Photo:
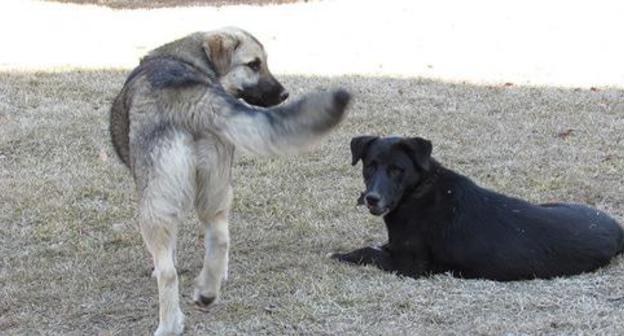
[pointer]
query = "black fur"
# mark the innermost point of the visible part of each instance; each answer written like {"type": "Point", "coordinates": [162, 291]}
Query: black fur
{"type": "Point", "coordinates": [441, 221]}
{"type": "Point", "coordinates": [268, 92]}
{"type": "Point", "coordinates": [169, 72]}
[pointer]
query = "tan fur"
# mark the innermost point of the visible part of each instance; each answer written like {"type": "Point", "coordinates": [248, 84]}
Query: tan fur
{"type": "Point", "coordinates": [176, 123]}
{"type": "Point", "coordinates": [229, 49]}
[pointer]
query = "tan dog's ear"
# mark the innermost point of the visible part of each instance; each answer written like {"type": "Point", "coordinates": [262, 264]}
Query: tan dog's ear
{"type": "Point", "coordinates": [219, 47]}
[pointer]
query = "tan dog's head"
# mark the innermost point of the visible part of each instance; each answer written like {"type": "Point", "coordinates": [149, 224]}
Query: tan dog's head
{"type": "Point", "coordinates": [241, 64]}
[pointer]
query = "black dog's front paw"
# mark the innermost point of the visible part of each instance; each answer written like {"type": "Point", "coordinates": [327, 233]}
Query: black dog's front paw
{"type": "Point", "coordinates": [344, 257]}
{"type": "Point", "coordinates": [351, 257]}
{"type": "Point", "coordinates": [336, 256]}
{"type": "Point", "coordinates": [363, 256]}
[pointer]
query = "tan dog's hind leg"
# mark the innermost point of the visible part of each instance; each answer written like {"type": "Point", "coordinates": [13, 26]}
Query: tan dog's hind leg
{"type": "Point", "coordinates": [171, 317]}
{"type": "Point", "coordinates": [214, 271]}
{"type": "Point", "coordinates": [168, 182]}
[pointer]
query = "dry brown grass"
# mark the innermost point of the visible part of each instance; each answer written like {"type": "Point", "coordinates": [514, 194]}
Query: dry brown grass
{"type": "Point", "coordinates": [149, 4]}
{"type": "Point", "coordinates": [72, 263]}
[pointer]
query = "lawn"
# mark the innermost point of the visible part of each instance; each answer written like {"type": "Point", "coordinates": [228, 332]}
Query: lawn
{"type": "Point", "coordinates": [151, 4]}
{"type": "Point", "coordinates": [73, 263]}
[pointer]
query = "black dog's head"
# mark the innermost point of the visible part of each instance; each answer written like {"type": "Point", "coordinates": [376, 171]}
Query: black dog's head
{"type": "Point", "coordinates": [390, 167]}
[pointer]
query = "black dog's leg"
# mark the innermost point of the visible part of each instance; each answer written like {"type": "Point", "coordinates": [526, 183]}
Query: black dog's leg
{"type": "Point", "coordinates": [407, 264]}
{"type": "Point", "coordinates": [367, 256]}
{"type": "Point", "coordinates": [401, 262]}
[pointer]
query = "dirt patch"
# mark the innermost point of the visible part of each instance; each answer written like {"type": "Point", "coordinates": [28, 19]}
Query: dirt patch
{"type": "Point", "coordinates": [147, 4]}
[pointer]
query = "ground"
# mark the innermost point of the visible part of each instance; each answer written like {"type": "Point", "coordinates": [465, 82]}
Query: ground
{"type": "Point", "coordinates": [133, 4]}
{"type": "Point", "coordinates": [72, 262]}
{"type": "Point", "coordinates": [524, 104]}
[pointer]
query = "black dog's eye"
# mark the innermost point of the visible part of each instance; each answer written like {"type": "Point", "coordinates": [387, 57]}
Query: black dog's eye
{"type": "Point", "coordinates": [255, 64]}
{"type": "Point", "coordinates": [395, 171]}
{"type": "Point", "coordinates": [370, 168]}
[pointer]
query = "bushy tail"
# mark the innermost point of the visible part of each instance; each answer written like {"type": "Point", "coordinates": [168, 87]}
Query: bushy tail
{"type": "Point", "coordinates": [119, 126]}
{"type": "Point", "coordinates": [282, 129]}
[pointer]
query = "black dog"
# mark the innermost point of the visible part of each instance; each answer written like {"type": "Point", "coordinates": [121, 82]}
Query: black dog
{"type": "Point", "coordinates": [440, 221]}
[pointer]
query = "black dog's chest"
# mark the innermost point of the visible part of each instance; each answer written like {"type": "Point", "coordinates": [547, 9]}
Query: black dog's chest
{"type": "Point", "coordinates": [408, 235]}
{"type": "Point", "coordinates": [425, 231]}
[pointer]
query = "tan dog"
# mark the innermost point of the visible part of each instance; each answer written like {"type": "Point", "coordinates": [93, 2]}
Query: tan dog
{"type": "Point", "coordinates": [176, 123]}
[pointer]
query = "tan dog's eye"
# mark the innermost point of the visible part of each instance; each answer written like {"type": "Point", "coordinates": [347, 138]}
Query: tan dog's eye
{"type": "Point", "coordinates": [255, 64]}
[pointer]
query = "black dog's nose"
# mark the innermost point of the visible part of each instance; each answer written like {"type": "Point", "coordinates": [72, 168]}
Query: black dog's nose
{"type": "Point", "coordinates": [372, 199]}
{"type": "Point", "coordinates": [284, 95]}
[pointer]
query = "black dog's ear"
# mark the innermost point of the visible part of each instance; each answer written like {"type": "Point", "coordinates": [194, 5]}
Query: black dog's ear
{"type": "Point", "coordinates": [359, 146]}
{"type": "Point", "coordinates": [420, 151]}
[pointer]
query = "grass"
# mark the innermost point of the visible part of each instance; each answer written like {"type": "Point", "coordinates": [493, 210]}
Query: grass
{"type": "Point", "coordinates": [150, 4]}
{"type": "Point", "coordinates": [72, 262]}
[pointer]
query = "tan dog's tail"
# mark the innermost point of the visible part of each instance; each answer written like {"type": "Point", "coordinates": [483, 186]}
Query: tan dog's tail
{"type": "Point", "coordinates": [282, 129]}
{"type": "Point", "coordinates": [120, 125]}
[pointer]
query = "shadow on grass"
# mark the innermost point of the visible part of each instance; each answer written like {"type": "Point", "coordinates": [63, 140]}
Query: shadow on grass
{"type": "Point", "coordinates": [69, 250]}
